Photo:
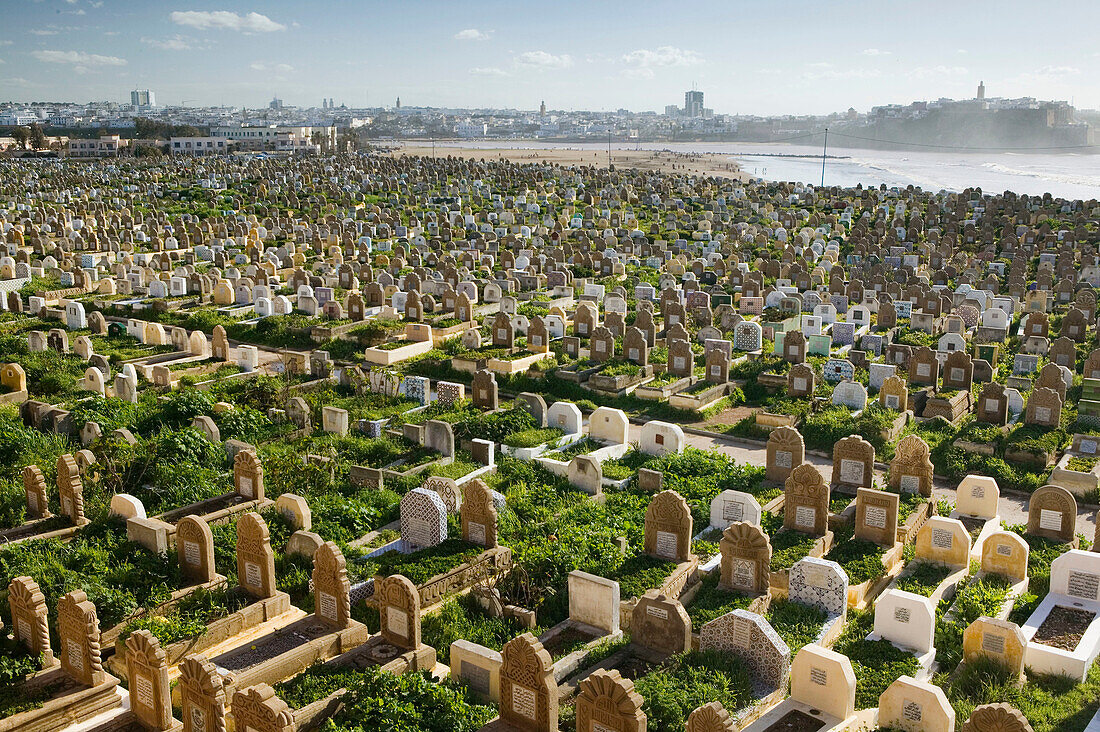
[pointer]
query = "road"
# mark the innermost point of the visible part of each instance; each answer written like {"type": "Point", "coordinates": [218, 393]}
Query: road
{"type": "Point", "coordinates": [1012, 508]}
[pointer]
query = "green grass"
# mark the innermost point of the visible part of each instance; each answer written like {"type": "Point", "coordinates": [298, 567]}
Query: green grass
{"type": "Point", "coordinates": [925, 577]}
{"type": "Point", "coordinates": [877, 664]}
{"type": "Point", "coordinates": [533, 437]}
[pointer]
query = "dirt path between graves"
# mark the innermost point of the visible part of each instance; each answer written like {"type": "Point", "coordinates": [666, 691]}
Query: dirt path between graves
{"type": "Point", "coordinates": [1013, 508]}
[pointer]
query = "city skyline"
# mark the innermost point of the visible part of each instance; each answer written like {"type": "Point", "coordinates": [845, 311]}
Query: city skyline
{"type": "Point", "coordinates": [597, 58]}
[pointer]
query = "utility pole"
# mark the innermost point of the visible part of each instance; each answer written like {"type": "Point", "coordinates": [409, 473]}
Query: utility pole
{"type": "Point", "coordinates": [823, 149]}
{"type": "Point", "coordinates": [433, 147]}
{"type": "Point", "coordinates": [609, 149]}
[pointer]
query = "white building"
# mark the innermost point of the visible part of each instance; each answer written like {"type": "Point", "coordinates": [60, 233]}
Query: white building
{"type": "Point", "coordinates": [198, 145]}
{"type": "Point", "coordinates": [96, 147]}
{"type": "Point", "coordinates": [274, 137]}
{"type": "Point", "coordinates": [471, 129]}
{"type": "Point", "coordinates": [143, 98]}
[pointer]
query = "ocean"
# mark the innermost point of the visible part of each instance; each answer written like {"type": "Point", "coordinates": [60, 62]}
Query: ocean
{"type": "Point", "coordinates": [1065, 175]}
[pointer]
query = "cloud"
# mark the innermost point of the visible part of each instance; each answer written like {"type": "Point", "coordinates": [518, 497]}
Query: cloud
{"type": "Point", "coordinates": [473, 34]}
{"type": "Point", "coordinates": [43, 32]}
{"type": "Point", "coordinates": [1045, 75]}
{"type": "Point", "coordinates": [925, 72]}
{"type": "Point", "coordinates": [488, 71]}
{"type": "Point", "coordinates": [544, 60]}
{"type": "Point", "coordinates": [176, 43]}
{"type": "Point", "coordinates": [77, 58]}
{"type": "Point", "coordinates": [6, 43]}
{"type": "Point", "coordinates": [1058, 71]}
{"type": "Point", "coordinates": [662, 56]}
{"type": "Point", "coordinates": [225, 20]}
{"type": "Point", "coordinates": [260, 66]}
{"type": "Point", "coordinates": [643, 73]}
{"type": "Point", "coordinates": [822, 73]}
{"type": "Point", "coordinates": [874, 52]}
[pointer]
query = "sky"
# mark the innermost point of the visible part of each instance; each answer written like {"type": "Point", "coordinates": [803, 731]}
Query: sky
{"type": "Point", "coordinates": [760, 57]}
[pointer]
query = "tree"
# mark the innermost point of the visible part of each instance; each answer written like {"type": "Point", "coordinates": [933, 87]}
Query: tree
{"type": "Point", "coordinates": [38, 137]}
{"type": "Point", "coordinates": [21, 135]}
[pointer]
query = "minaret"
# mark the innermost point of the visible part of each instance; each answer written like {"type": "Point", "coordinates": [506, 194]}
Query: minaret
{"type": "Point", "coordinates": [399, 102]}
{"type": "Point", "coordinates": [981, 90]}
{"type": "Point", "coordinates": [542, 109]}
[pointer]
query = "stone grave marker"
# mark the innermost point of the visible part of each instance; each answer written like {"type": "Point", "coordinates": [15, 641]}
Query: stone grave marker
{"type": "Point", "coordinates": [528, 691]}
{"type": "Point", "coordinates": [668, 527]}
{"type": "Point", "coordinates": [806, 504]}
{"type": "Point", "coordinates": [423, 518]}
{"type": "Point", "coordinates": [607, 701]}
{"type": "Point", "coordinates": [255, 558]}
{"type": "Point", "coordinates": [746, 558]}
{"type": "Point", "coordinates": [1052, 513]}
{"type": "Point", "coordinates": [877, 516]}
{"type": "Point", "coordinates": [195, 550]}
{"type": "Point", "coordinates": [786, 449]}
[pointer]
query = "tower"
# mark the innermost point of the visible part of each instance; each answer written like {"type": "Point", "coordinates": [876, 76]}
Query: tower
{"type": "Point", "coordinates": [399, 102]}
{"type": "Point", "coordinates": [693, 103]}
{"type": "Point", "coordinates": [981, 90]}
{"type": "Point", "coordinates": [542, 109]}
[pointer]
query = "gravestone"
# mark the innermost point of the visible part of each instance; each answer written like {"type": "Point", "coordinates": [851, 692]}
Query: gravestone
{"type": "Point", "coordinates": [819, 583]}
{"type": "Point", "coordinates": [1044, 408]}
{"type": "Point", "coordinates": [607, 701]}
{"type": "Point", "coordinates": [911, 469]}
{"type": "Point", "coordinates": [78, 632]}
{"type": "Point", "coordinates": [1005, 553]}
{"type": "Point", "coordinates": [484, 390]}
{"type": "Point", "coordinates": [447, 489]}
{"type": "Point", "coordinates": [711, 717]}
{"type": "Point", "coordinates": [258, 709]}
{"type": "Point", "coordinates": [423, 518]}
{"type": "Point", "coordinates": [786, 449]}
{"type": "Point", "coordinates": [147, 674]}
{"type": "Point", "coordinates": [800, 380]}
{"type": "Point", "coordinates": [853, 463]}
{"type": "Point", "coordinates": [594, 601]}
{"type": "Point", "coordinates": [660, 623]}
{"type": "Point", "coordinates": [824, 679]}
{"type": "Point", "coordinates": [439, 436]}
{"type": "Point", "coordinates": [585, 473]}
{"type": "Point", "coordinates": [70, 489]}
{"type": "Point", "coordinates": [668, 527]}
{"type": "Point", "coordinates": [399, 612]}
{"type": "Point", "coordinates": [479, 515]}
{"type": "Point", "coordinates": [750, 637]}
{"type": "Point", "coordinates": [248, 476]}
{"type": "Point", "coordinates": [746, 558]}
{"type": "Point", "coordinates": [997, 717]}
{"type": "Point", "coordinates": [806, 501]}
{"type": "Point", "coordinates": [877, 516]}
{"type": "Point", "coordinates": [195, 550]}
{"type": "Point", "coordinates": [906, 619]}
{"type": "Point", "coordinates": [730, 506]}
{"type": "Point", "coordinates": [255, 558]}
{"type": "Point", "coordinates": [30, 626]}
{"type": "Point", "coordinates": [38, 499]}
{"type": "Point", "coordinates": [978, 496]}
{"type": "Point", "coordinates": [528, 691]}
{"type": "Point", "coordinates": [1052, 513]}
{"type": "Point", "coordinates": [202, 695]}
{"type": "Point", "coordinates": [915, 706]}
{"type": "Point", "coordinates": [944, 540]}
{"type": "Point", "coordinates": [1000, 640]}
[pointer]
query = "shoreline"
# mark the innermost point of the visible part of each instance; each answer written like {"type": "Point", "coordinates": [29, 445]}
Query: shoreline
{"type": "Point", "coordinates": [718, 165]}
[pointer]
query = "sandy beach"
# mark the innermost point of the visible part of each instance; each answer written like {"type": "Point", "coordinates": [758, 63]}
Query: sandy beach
{"type": "Point", "coordinates": [657, 160]}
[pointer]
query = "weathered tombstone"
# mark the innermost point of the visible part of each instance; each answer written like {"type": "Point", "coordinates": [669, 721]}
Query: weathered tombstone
{"type": "Point", "coordinates": [586, 473]}
{"type": "Point", "coordinates": [257, 708]}
{"type": "Point", "coordinates": [1052, 513]}
{"type": "Point", "coordinates": [1005, 553]}
{"type": "Point", "coordinates": [399, 612]}
{"type": "Point", "coordinates": [819, 583]}
{"type": "Point", "coordinates": [786, 449]}
{"type": "Point", "coordinates": [535, 405]}
{"type": "Point", "coordinates": [1044, 408]}
{"type": "Point", "coordinates": [824, 679]}
{"type": "Point", "coordinates": [255, 559]}
{"type": "Point", "coordinates": [484, 390]}
{"type": "Point", "coordinates": [905, 619]}
{"type": "Point", "coordinates": [853, 463]}
{"type": "Point", "coordinates": [668, 527]}
{"type": "Point", "coordinates": [331, 588]}
{"type": "Point", "coordinates": [78, 630]}
{"type": "Point", "coordinates": [746, 558]}
{"type": "Point", "coordinates": [607, 701]}
{"type": "Point", "coordinates": [711, 717]}
{"type": "Point", "coordinates": [528, 691]}
{"type": "Point", "coordinates": [877, 516]}
{"type": "Point", "coordinates": [915, 706]}
{"type": "Point", "coordinates": [447, 489]}
{"type": "Point", "coordinates": [29, 618]}
{"type": "Point", "coordinates": [978, 496]}
{"type": "Point", "coordinates": [479, 515]}
{"type": "Point", "coordinates": [800, 380]}
{"type": "Point", "coordinates": [195, 550]}
{"type": "Point", "coordinates": [998, 717]}
{"type": "Point", "coordinates": [248, 476]}
{"type": "Point", "coordinates": [911, 469]}
{"type": "Point", "coordinates": [439, 436]}
{"type": "Point", "coordinates": [202, 695]}
{"type": "Point", "coordinates": [894, 394]}
{"type": "Point", "coordinates": [806, 501]}
{"type": "Point", "coordinates": [38, 499]}
{"type": "Point", "coordinates": [334, 420]}
{"type": "Point", "coordinates": [71, 489]}
{"type": "Point", "coordinates": [1001, 640]}
{"type": "Point", "coordinates": [147, 673]}
{"type": "Point", "coordinates": [944, 540]}
{"type": "Point", "coordinates": [594, 601]}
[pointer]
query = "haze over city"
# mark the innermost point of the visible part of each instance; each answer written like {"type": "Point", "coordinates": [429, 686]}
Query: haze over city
{"type": "Point", "coordinates": [752, 57]}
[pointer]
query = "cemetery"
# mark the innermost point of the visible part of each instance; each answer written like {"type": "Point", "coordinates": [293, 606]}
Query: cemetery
{"type": "Point", "coordinates": [481, 445]}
